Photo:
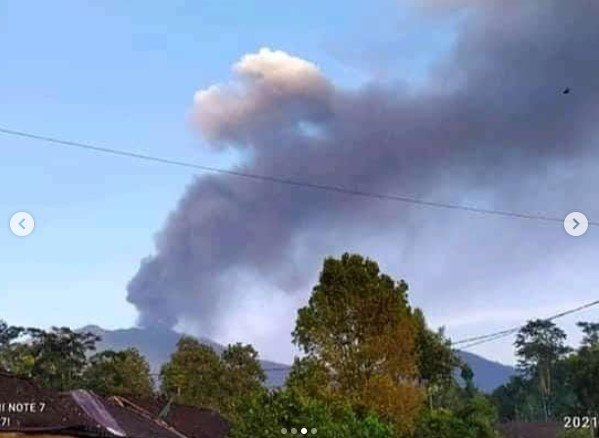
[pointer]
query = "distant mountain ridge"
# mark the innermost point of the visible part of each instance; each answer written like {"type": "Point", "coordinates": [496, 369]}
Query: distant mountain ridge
{"type": "Point", "coordinates": [488, 375]}
{"type": "Point", "coordinates": [157, 345]}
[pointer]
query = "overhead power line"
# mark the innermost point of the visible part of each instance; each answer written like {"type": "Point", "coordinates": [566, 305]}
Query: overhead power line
{"type": "Point", "coordinates": [478, 340]}
{"type": "Point", "coordinates": [475, 340]}
{"type": "Point", "coordinates": [487, 336]}
{"type": "Point", "coordinates": [490, 339]}
{"type": "Point", "coordinates": [280, 180]}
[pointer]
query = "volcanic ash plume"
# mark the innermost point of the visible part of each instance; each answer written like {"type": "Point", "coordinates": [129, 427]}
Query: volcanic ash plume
{"type": "Point", "coordinates": [498, 116]}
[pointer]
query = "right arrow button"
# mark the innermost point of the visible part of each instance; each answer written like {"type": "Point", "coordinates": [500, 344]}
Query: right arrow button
{"type": "Point", "coordinates": [576, 224]}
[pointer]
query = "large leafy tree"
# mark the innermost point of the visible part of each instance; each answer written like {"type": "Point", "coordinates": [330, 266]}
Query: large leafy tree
{"type": "Point", "coordinates": [591, 334]}
{"type": "Point", "coordinates": [198, 376]}
{"type": "Point", "coordinates": [13, 357]}
{"type": "Point", "coordinates": [584, 370]}
{"type": "Point", "coordinates": [518, 400]}
{"type": "Point", "coordinates": [194, 374]}
{"type": "Point", "coordinates": [436, 359]}
{"type": "Point", "coordinates": [309, 377]}
{"type": "Point", "coordinates": [359, 329]}
{"type": "Point", "coordinates": [124, 372]}
{"type": "Point", "coordinates": [242, 368]}
{"type": "Point", "coordinates": [266, 414]}
{"type": "Point", "coordinates": [8, 334]}
{"type": "Point", "coordinates": [551, 384]}
{"type": "Point", "coordinates": [540, 345]}
{"type": "Point", "coordinates": [56, 357]}
{"type": "Point", "coordinates": [474, 418]}
{"type": "Point", "coordinates": [243, 377]}
{"type": "Point", "coordinates": [437, 363]}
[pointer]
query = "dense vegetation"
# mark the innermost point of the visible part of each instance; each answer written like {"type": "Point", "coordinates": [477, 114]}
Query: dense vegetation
{"type": "Point", "coordinates": [554, 381]}
{"type": "Point", "coordinates": [370, 368]}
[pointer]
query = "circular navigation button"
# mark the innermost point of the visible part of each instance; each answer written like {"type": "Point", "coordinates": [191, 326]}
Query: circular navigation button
{"type": "Point", "coordinates": [22, 224]}
{"type": "Point", "coordinates": [576, 224]}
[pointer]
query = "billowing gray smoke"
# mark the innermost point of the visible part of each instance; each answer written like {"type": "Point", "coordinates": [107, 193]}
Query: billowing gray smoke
{"type": "Point", "coordinates": [493, 112]}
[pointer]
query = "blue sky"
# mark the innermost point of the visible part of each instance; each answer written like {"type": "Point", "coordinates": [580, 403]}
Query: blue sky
{"type": "Point", "coordinates": [123, 75]}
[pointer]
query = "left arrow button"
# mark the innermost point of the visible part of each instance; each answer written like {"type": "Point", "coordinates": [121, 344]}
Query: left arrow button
{"type": "Point", "coordinates": [22, 224]}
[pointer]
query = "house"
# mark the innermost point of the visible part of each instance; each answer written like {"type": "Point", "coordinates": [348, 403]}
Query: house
{"type": "Point", "coordinates": [27, 409]}
{"type": "Point", "coordinates": [192, 422]}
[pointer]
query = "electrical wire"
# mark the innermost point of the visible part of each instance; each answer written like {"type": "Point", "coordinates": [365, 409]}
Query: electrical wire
{"type": "Point", "coordinates": [478, 340]}
{"type": "Point", "coordinates": [282, 180]}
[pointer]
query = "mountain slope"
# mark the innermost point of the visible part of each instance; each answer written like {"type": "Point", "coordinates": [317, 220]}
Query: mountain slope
{"type": "Point", "coordinates": [488, 375]}
{"type": "Point", "coordinates": [157, 344]}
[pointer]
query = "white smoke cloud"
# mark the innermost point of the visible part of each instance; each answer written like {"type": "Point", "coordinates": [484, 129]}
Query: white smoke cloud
{"type": "Point", "coordinates": [270, 87]}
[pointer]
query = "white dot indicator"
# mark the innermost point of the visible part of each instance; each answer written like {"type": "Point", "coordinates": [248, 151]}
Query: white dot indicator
{"type": "Point", "coordinates": [304, 431]}
{"type": "Point", "coordinates": [293, 430]}
{"type": "Point", "coordinates": [284, 431]}
{"type": "Point", "coordinates": [314, 431]}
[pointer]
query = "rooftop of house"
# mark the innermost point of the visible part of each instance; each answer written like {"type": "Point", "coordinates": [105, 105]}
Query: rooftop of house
{"type": "Point", "coordinates": [28, 408]}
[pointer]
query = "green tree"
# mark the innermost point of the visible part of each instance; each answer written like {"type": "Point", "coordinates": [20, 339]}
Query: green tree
{"type": "Point", "coordinates": [243, 370]}
{"type": "Point", "coordinates": [13, 357]}
{"type": "Point", "coordinates": [19, 360]}
{"type": "Point", "coordinates": [267, 413]}
{"type": "Point", "coordinates": [243, 377]}
{"type": "Point", "coordinates": [359, 327]}
{"type": "Point", "coordinates": [309, 377]}
{"type": "Point", "coordinates": [436, 359]}
{"type": "Point", "coordinates": [124, 372]}
{"type": "Point", "coordinates": [474, 418]}
{"type": "Point", "coordinates": [584, 370]}
{"type": "Point", "coordinates": [467, 376]}
{"type": "Point", "coordinates": [518, 400]}
{"type": "Point", "coordinates": [56, 358]}
{"type": "Point", "coordinates": [194, 375]}
{"type": "Point", "coordinates": [8, 334]}
{"type": "Point", "coordinates": [59, 356]}
{"type": "Point", "coordinates": [480, 416]}
{"type": "Point", "coordinates": [540, 344]}
{"type": "Point", "coordinates": [441, 423]}
{"type": "Point", "coordinates": [591, 334]}
{"type": "Point", "coordinates": [198, 376]}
